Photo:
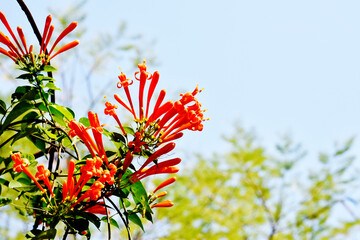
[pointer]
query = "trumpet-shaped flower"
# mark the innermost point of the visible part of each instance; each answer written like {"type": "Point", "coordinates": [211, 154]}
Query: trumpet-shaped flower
{"type": "Point", "coordinates": [166, 203]}
{"type": "Point", "coordinates": [43, 174]}
{"type": "Point", "coordinates": [164, 122]}
{"type": "Point", "coordinates": [24, 56]}
{"type": "Point", "coordinates": [165, 183]}
{"type": "Point", "coordinates": [21, 165]}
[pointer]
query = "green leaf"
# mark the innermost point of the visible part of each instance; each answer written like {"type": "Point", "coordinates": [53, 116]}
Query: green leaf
{"type": "Point", "coordinates": [48, 133]}
{"type": "Point", "coordinates": [91, 217]}
{"type": "Point", "coordinates": [346, 147]}
{"type": "Point", "coordinates": [128, 47]}
{"type": "Point", "coordinates": [140, 196]}
{"type": "Point", "coordinates": [17, 111]}
{"type": "Point", "coordinates": [19, 92]}
{"type": "Point", "coordinates": [5, 201]}
{"type": "Point", "coordinates": [44, 78]}
{"type": "Point", "coordinates": [60, 112]}
{"type": "Point", "coordinates": [52, 86]}
{"type": "Point", "coordinates": [36, 234]}
{"type": "Point", "coordinates": [117, 137]}
{"type": "Point", "coordinates": [112, 221]}
{"type": "Point", "coordinates": [48, 68]}
{"type": "Point", "coordinates": [85, 121]}
{"type": "Point", "coordinates": [80, 224]}
{"type": "Point", "coordinates": [135, 219]}
{"type": "Point", "coordinates": [15, 184]}
{"type": "Point", "coordinates": [27, 76]}
{"type": "Point", "coordinates": [129, 130]}
{"type": "Point", "coordinates": [2, 107]}
{"type": "Point", "coordinates": [4, 182]}
{"type": "Point", "coordinates": [31, 117]}
{"type": "Point", "coordinates": [127, 203]}
{"type": "Point", "coordinates": [38, 143]}
{"type": "Point", "coordinates": [25, 133]}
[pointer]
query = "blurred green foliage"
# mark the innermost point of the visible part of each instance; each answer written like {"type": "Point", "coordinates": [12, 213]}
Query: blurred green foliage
{"type": "Point", "coordinates": [248, 193]}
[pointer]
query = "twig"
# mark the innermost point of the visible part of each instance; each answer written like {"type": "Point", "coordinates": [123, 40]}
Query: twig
{"type": "Point", "coordinates": [66, 233]}
{"type": "Point", "coordinates": [121, 216]}
{"type": "Point", "coordinates": [39, 38]}
{"type": "Point", "coordinates": [31, 20]}
{"type": "Point", "coordinates": [108, 220]}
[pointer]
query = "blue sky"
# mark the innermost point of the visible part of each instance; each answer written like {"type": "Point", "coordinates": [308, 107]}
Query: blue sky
{"type": "Point", "coordinates": [278, 66]}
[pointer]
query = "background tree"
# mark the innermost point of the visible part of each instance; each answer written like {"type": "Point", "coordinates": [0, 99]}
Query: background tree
{"type": "Point", "coordinates": [247, 193]}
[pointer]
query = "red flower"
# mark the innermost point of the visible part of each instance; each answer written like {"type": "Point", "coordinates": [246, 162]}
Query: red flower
{"type": "Point", "coordinates": [94, 192]}
{"type": "Point", "coordinates": [97, 132]}
{"type": "Point", "coordinates": [164, 150]}
{"type": "Point", "coordinates": [78, 129]}
{"type": "Point", "coordinates": [165, 183]}
{"type": "Point", "coordinates": [92, 168]}
{"type": "Point", "coordinates": [43, 174]}
{"type": "Point", "coordinates": [125, 82]}
{"type": "Point", "coordinates": [160, 168]}
{"type": "Point", "coordinates": [127, 161]}
{"type": "Point", "coordinates": [110, 110]}
{"type": "Point", "coordinates": [167, 120]}
{"type": "Point", "coordinates": [166, 203]}
{"type": "Point", "coordinates": [20, 165]}
{"type": "Point", "coordinates": [97, 209]}
{"type": "Point", "coordinates": [159, 195]}
{"type": "Point", "coordinates": [21, 54]}
{"type": "Point", "coordinates": [137, 143]}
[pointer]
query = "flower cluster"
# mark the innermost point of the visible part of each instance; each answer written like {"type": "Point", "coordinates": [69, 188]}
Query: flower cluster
{"type": "Point", "coordinates": [23, 55]}
{"type": "Point", "coordinates": [165, 122]}
{"type": "Point", "coordinates": [103, 172]}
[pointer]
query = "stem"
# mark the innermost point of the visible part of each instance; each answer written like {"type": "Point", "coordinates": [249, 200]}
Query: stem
{"type": "Point", "coordinates": [260, 195]}
{"type": "Point", "coordinates": [66, 233]}
{"type": "Point", "coordinates": [30, 19]}
{"type": "Point", "coordinates": [39, 38]}
{"type": "Point", "coordinates": [53, 145]}
{"type": "Point", "coordinates": [121, 216]}
{"type": "Point", "coordinates": [125, 211]}
{"type": "Point", "coordinates": [108, 220]}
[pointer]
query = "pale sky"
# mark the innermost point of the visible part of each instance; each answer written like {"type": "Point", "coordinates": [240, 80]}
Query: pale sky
{"type": "Point", "coordinates": [277, 66]}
